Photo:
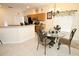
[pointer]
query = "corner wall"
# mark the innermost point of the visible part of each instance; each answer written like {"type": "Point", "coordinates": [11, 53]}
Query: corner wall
{"type": "Point", "coordinates": [9, 16]}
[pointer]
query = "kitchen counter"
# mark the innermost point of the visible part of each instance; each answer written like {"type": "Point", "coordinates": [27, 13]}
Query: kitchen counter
{"type": "Point", "coordinates": [16, 34]}
{"type": "Point", "coordinates": [10, 26]}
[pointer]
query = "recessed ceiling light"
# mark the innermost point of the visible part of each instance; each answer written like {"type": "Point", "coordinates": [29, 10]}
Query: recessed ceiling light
{"type": "Point", "coordinates": [27, 7]}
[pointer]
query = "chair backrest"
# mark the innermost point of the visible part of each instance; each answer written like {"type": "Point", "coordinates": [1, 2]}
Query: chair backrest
{"type": "Point", "coordinates": [40, 35]}
{"type": "Point", "coordinates": [72, 34]}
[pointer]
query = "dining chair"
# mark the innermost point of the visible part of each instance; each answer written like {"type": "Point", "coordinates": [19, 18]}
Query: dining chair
{"type": "Point", "coordinates": [42, 39]}
{"type": "Point", "coordinates": [67, 41]}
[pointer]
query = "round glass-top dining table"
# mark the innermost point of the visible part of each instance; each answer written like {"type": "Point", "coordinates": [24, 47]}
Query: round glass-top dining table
{"type": "Point", "coordinates": [54, 37]}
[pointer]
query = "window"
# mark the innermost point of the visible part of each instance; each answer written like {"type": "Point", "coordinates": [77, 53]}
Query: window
{"type": "Point", "coordinates": [65, 22]}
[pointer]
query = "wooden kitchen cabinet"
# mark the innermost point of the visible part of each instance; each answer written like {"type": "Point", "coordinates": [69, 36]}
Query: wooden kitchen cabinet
{"type": "Point", "coordinates": [40, 16]}
{"type": "Point", "coordinates": [32, 16]}
{"type": "Point", "coordinates": [37, 28]}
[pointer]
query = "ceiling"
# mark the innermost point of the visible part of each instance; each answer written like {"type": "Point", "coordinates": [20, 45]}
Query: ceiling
{"type": "Point", "coordinates": [24, 5]}
{"type": "Point", "coordinates": [40, 5]}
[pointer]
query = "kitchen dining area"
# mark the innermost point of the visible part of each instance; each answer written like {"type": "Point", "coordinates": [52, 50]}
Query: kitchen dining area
{"type": "Point", "coordinates": [39, 29]}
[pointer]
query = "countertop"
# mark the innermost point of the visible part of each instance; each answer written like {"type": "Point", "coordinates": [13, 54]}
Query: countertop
{"type": "Point", "coordinates": [12, 26]}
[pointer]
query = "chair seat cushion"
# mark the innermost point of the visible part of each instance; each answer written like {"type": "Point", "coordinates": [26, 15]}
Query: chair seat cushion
{"type": "Point", "coordinates": [64, 41]}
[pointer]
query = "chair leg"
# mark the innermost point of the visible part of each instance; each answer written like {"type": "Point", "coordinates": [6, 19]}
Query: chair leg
{"type": "Point", "coordinates": [58, 46]}
{"type": "Point", "coordinates": [1, 42]}
{"type": "Point", "coordinates": [56, 39]}
{"type": "Point", "coordinates": [45, 47]}
{"type": "Point", "coordinates": [69, 50]}
{"type": "Point", "coordinates": [38, 45]}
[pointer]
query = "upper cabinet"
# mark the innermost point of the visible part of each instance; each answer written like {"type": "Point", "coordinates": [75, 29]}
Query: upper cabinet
{"type": "Point", "coordinates": [40, 16]}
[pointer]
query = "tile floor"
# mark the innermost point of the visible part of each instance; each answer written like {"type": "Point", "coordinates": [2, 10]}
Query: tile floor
{"type": "Point", "coordinates": [28, 48]}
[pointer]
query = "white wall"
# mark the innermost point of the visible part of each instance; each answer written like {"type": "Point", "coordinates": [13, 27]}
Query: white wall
{"type": "Point", "coordinates": [76, 25]}
{"type": "Point", "coordinates": [10, 16]}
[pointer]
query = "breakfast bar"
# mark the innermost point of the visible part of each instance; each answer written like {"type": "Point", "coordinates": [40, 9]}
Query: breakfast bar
{"type": "Point", "coordinates": [16, 34]}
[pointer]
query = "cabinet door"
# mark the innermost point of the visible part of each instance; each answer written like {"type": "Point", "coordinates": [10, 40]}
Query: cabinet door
{"type": "Point", "coordinates": [41, 17]}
